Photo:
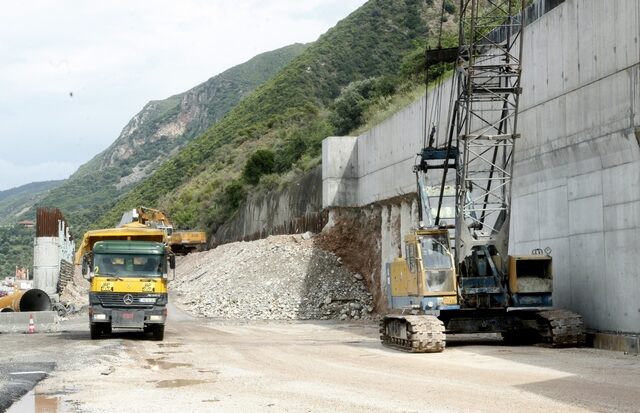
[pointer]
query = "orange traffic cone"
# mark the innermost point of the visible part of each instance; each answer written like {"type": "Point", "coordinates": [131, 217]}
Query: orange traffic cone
{"type": "Point", "coordinates": [32, 326]}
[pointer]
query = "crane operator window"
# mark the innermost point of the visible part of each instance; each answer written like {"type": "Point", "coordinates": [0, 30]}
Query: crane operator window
{"type": "Point", "coordinates": [435, 251]}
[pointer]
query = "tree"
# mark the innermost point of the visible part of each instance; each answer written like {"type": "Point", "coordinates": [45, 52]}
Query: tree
{"type": "Point", "coordinates": [349, 107]}
{"type": "Point", "coordinates": [261, 162]}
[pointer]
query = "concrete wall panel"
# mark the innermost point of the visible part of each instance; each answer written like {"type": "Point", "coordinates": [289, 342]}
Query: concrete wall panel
{"type": "Point", "coordinates": [623, 280]}
{"type": "Point", "coordinates": [586, 215]}
{"type": "Point", "coordinates": [562, 282]}
{"type": "Point", "coordinates": [555, 73]}
{"type": "Point", "coordinates": [588, 277]}
{"type": "Point", "coordinates": [621, 184]}
{"type": "Point", "coordinates": [622, 216]}
{"type": "Point", "coordinates": [586, 40]}
{"type": "Point", "coordinates": [526, 229]}
{"type": "Point", "coordinates": [570, 37]}
{"type": "Point", "coordinates": [554, 213]}
{"type": "Point", "coordinates": [584, 186]}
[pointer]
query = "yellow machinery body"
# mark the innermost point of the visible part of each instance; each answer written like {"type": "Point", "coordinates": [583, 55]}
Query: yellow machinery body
{"type": "Point", "coordinates": [180, 242]}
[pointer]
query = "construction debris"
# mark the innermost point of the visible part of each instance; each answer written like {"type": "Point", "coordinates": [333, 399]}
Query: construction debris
{"type": "Point", "coordinates": [75, 295]}
{"type": "Point", "coordinates": [282, 277]}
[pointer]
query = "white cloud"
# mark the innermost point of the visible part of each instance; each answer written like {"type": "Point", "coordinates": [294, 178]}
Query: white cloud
{"type": "Point", "coordinates": [114, 56]}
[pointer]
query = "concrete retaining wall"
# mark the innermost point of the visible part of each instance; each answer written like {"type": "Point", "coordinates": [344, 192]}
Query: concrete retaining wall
{"type": "Point", "coordinates": [294, 209]}
{"type": "Point", "coordinates": [577, 185]}
{"type": "Point", "coordinates": [577, 170]}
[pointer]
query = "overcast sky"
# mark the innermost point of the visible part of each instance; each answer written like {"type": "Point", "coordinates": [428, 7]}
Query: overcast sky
{"type": "Point", "coordinates": [72, 73]}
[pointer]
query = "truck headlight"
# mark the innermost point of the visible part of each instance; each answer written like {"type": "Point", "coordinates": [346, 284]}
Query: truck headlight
{"type": "Point", "coordinates": [99, 316]}
{"type": "Point", "coordinates": [155, 318]}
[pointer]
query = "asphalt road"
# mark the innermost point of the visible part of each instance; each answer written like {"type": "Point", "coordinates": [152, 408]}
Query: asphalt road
{"type": "Point", "coordinates": [223, 366]}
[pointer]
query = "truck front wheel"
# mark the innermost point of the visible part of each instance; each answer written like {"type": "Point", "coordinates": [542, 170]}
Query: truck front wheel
{"type": "Point", "coordinates": [95, 331]}
{"type": "Point", "coordinates": [158, 332]}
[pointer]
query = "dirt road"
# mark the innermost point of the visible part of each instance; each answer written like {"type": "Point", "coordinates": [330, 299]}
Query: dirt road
{"type": "Point", "coordinates": [205, 366]}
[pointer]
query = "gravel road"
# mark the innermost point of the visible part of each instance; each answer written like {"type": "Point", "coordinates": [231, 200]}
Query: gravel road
{"type": "Point", "coordinates": [209, 365]}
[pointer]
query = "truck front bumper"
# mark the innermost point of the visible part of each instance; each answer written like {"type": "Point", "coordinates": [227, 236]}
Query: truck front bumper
{"type": "Point", "coordinates": [123, 317]}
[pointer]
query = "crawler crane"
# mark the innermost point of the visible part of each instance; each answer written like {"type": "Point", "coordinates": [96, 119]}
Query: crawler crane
{"type": "Point", "coordinates": [455, 276]}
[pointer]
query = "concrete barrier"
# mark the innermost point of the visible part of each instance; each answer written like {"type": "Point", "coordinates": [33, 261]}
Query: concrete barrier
{"type": "Point", "coordinates": [45, 322]}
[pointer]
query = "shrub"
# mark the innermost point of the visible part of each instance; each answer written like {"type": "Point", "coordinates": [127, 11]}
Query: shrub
{"type": "Point", "coordinates": [270, 182]}
{"type": "Point", "coordinates": [349, 107]}
{"type": "Point", "coordinates": [233, 195]}
{"type": "Point", "coordinates": [261, 162]}
{"type": "Point", "coordinates": [449, 7]}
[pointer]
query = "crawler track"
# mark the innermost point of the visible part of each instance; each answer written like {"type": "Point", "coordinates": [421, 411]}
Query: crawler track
{"type": "Point", "coordinates": [564, 328]}
{"type": "Point", "coordinates": [413, 333]}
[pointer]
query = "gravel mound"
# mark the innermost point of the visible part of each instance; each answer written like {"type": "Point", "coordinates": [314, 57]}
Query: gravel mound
{"type": "Point", "coordinates": [279, 278]}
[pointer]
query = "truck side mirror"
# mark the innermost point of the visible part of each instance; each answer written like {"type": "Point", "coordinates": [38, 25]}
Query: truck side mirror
{"type": "Point", "coordinates": [86, 265]}
{"type": "Point", "coordinates": [172, 262]}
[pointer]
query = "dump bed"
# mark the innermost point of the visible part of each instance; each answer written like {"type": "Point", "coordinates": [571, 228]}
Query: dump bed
{"type": "Point", "coordinates": [129, 232]}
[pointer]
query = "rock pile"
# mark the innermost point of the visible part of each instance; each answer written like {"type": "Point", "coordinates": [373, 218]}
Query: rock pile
{"type": "Point", "coordinates": [279, 278]}
{"type": "Point", "coordinates": [75, 294]}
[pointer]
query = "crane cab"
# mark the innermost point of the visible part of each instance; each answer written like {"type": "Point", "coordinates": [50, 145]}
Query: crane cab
{"type": "Point", "coordinates": [425, 277]}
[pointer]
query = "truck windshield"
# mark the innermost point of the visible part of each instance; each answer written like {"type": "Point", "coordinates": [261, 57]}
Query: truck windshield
{"type": "Point", "coordinates": [435, 251]}
{"type": "Point", "coordinates": [127, 265]}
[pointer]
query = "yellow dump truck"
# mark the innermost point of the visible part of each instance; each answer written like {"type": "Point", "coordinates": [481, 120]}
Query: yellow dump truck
{"type": "Point", "coordinates": [128, 269]}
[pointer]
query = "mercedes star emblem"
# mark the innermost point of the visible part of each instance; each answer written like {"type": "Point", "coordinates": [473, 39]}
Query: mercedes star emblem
{"type": "Point", "coordinates": [128, 299]}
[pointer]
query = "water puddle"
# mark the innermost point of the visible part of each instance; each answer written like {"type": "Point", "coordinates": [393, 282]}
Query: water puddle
{"type": "Point", "coordinates": [170, 384]}
{"type": "Point", "coordinates": [33, 402]}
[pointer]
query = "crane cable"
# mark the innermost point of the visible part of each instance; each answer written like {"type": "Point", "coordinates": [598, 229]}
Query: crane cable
{"type": "Point", "coordinates": [432, 118]}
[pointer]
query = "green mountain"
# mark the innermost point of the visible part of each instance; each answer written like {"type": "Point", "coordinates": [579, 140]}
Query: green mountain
{"type": "Point", "coordinates": [155, 134]}
{"type": "Point", "coordinates": [16, 202]}
{"type": "Point", "coordinates": [281, 124]}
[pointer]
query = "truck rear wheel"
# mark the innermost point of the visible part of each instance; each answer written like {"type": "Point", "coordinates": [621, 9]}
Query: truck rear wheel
{"type": "Point", "coordinates": [158, 332]}
{"type": "Point", "coordinates": [95, 329]}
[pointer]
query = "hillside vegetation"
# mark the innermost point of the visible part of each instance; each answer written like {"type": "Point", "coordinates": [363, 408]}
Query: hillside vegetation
{"type": "Point", "coordinates": [16, 202]}
{"type": "Point", "coordinates": [278, 129]}
{"type": "Point", "coordinates": [156, 133]}
{"type": "Point", "coordinates": [16, 249]}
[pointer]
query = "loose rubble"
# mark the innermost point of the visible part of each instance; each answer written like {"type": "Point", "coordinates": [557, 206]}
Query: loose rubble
{"type": "Point", "coordinates": [75, 294]}
{"type": "Point", "coordinates": [279, 278]}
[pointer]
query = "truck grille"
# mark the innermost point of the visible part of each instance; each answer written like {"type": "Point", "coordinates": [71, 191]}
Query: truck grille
{"type": "Point", "coordinates": [117, 300]}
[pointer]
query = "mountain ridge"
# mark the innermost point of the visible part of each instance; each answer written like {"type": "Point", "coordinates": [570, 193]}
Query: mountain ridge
{"type": "Point", "coordinates": [156, 133]}
{"type": "Point", "coordinates": [202, 185]}
{"type": "Point", "coordinates": [15, 202]}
